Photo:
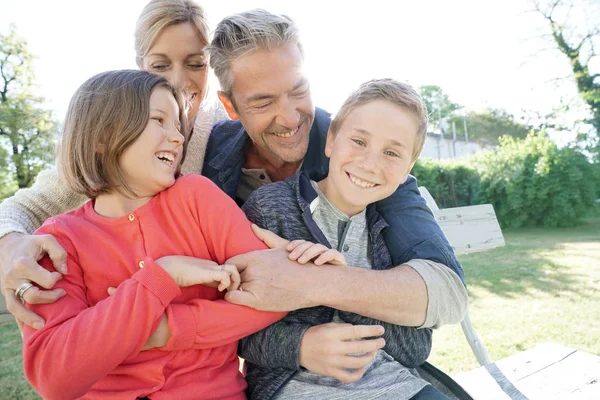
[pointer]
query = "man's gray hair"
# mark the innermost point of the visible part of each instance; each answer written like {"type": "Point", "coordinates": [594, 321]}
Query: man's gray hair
{"type": "Point", "coordinates": [241, 33]}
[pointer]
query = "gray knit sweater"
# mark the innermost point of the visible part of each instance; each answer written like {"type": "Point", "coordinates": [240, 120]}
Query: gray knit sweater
{"type": "Point", "coordinates": [272, 354]}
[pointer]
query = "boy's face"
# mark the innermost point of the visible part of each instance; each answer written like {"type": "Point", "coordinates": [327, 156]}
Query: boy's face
{"type": "Point", "coordinates": [371, 155]}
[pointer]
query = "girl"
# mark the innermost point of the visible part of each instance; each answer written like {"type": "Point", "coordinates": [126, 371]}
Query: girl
{"type": "Point", "coordinates": [122, 147]}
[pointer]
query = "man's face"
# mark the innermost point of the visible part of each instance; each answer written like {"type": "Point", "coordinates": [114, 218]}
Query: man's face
{"type": "Point", "coordinates": [272, 100]}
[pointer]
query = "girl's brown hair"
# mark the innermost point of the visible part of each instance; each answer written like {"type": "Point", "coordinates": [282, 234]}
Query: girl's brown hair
{"type": "Point", "coordinates": [105, 116]}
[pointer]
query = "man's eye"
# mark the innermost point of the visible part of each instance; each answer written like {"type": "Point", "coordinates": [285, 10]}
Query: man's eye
{"type": "Point", "coordinates": [262, 106]}
{"type": "Point", "coordinates": [358, 142]}
{"type": "Point", "coordinates": [159, 67]}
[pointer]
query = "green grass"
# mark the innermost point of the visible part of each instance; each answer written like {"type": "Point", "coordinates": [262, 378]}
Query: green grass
{"type": "Point", "coordinates": [544, 286]}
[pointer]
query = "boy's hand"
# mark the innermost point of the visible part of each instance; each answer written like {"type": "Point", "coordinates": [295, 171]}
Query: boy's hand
{"type": "Point", "coordinates": [303, 252]}
{"type": "Point", "coordinates": [333, 350]}
{"type": "Point", "coordinates": [189, 271]}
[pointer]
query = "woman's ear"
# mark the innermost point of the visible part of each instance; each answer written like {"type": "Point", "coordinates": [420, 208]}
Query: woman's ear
{"type": "Point", "coordinates": [228, 104]}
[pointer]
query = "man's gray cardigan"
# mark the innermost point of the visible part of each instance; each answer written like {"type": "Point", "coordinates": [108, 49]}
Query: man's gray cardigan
{"type": "Point", "coordinates": [272, 354]}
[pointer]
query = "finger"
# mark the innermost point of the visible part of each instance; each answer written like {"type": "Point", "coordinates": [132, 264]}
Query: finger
{"type": "Point", "coordinates": [241, 261]}
{"type": "Point", "coordinates": [245, 298]}
{"type": "Point", "coordinates": [349, 376]}
{"type": "Point", "coordinates": [111, 290]}
{"type": "Point", "coordinates": [293, 244]}
{"type": "Point", "coordinates": [224, 279]}
{"type": "Point", "coordinates": [312, 252]}
{"type": "Point", "coordinates": [37, 296]}
{"type": "Point", "coordinates": [363, 346]}
{"type": "Point", "coordinates": [57, 254]}
{"type": "Point", "coordinates": [298, 251]}
{"type": "Point", "coordinates": [234, 275]}
{"type": "Point", "coordinates": [331, 256]}
{"type": "Point", "coordinates": [270, 238]}
{"type": "Point", "coordinates": [22, 314]}
{"type": "Point", "coordinates": [29, 270]}
{"type": "Point", "coordinates": [360, 331]}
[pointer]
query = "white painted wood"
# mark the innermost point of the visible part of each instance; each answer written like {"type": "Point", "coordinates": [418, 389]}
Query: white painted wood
{"type": "Point", "coordinates": [547, 371]}
{"type": "Point", "coordinates": [428, 199]}
{"type": "Point", "coordinates": [470, 229]}
{"type": "Point", "coordinates": [475, 341]}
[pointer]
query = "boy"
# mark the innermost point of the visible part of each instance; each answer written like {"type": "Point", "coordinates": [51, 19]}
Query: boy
{"type": "Point", "coordinates": [373, 142]}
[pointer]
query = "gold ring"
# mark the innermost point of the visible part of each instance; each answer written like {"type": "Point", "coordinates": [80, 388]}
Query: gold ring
{"type": "Point", "coordinates": [23, 287]}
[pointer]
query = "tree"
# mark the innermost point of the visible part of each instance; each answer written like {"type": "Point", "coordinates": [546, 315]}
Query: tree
{"type": "Point", "coordinates": [27, 129]}
{"type": "Point", "coordinates": [578, 42]}
{"type": "Point", "coordinates": [490, 125]}
{"type": "Point", "coordinates": [438, 103]}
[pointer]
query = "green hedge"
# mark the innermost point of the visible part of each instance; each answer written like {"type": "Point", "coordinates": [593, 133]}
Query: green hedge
{"type": "Point", "coordinates": [451, 183]}
{"type": "Point", "coordinates": [530, 182]}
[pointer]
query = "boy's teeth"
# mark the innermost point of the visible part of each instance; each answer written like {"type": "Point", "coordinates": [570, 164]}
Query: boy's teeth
{"type": "Point", "coordinates": [361, 183]}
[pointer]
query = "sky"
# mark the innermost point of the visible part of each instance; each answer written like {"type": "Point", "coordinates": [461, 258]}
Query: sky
{"type": "Point", "coordinates": [483, 53]}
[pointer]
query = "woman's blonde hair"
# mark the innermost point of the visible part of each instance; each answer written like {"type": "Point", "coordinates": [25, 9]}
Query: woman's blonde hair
{"type": "Point", "coordinates": [106, 115]}
{"type": "Point", "coordinates": [161, 14]}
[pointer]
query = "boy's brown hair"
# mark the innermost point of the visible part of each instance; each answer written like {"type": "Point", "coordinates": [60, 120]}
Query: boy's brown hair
{"type": "Point", "coordinates": [398, 93]}
{"type": "Point", "coordinates": [105, 116]}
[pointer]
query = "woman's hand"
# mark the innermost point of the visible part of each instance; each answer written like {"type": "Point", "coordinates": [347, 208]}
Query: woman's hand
{"type": "Point", "coordinates": [189, 271]}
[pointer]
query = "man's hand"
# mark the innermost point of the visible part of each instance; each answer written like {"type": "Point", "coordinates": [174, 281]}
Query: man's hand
{"type": "Point", "coordinates": [19, 255]}
{"type": "Point", "coordinates": [328, 350]}
{"type": "Point", "coordinates": [271, 282]}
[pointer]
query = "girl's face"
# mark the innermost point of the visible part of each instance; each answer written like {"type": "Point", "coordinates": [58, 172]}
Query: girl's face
{"type": "Point", "coordinates": [178, 55]}
{"type": "Point", "coordinates": [150, 163]}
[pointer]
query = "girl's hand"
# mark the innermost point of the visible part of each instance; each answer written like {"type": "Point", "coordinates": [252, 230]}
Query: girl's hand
{"type": "Point", "coordinates": [303, 252]}
{"type": "Point", "coordinates": [189, 271]}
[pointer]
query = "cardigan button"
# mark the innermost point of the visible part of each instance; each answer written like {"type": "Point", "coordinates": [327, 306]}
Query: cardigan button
{"type": "Point", "coordinates": [141, 264]}
{"type": "Point", "coordinates": [131, 217]}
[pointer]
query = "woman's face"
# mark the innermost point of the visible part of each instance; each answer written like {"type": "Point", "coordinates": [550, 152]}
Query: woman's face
{"type": "Point", "coordinates": [178, 55]}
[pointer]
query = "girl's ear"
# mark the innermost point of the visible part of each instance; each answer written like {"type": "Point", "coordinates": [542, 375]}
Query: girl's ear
{"type": "Point", "coordinates": [228, 104]}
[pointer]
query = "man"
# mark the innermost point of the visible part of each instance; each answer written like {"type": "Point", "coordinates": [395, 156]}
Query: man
{"type": "Point", "coordinates": [274, 132]}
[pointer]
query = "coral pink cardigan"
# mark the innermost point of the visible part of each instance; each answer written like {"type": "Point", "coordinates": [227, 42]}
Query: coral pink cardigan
{"type": "Point", "coordinates": [90, 345]}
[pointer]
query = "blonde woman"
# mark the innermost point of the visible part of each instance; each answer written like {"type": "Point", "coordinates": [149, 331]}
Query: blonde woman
{"type": "Point", "coordinates": [170, 38]}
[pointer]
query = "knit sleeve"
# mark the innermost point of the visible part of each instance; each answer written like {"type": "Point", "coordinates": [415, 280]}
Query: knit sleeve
{"type": "Point", "coordinates": [208, 116]}
{"type": "Point", "coordinates": [81, 343]}
{"type": "Point", "coordinates": [29, 208]}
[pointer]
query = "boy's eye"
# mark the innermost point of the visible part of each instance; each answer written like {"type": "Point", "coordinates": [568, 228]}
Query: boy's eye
{"type": "Point", "coordinates": [390, 153]}
{"type": "Point", "coordinates": [359, 142]}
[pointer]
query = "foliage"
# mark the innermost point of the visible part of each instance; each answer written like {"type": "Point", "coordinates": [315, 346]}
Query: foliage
{"type": "Point", "coordinates": [452, 184]}
{"type": "Point", "coordinates": [438, 103]}
{"type": "Point", "coordinates": [27, 129]}
{"type": "Point", "coordinates": [532, 182]}
{"type": "Point", "coordinates": [490, 125]}
{"type": "Point", "coordinates": [578, 43]}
